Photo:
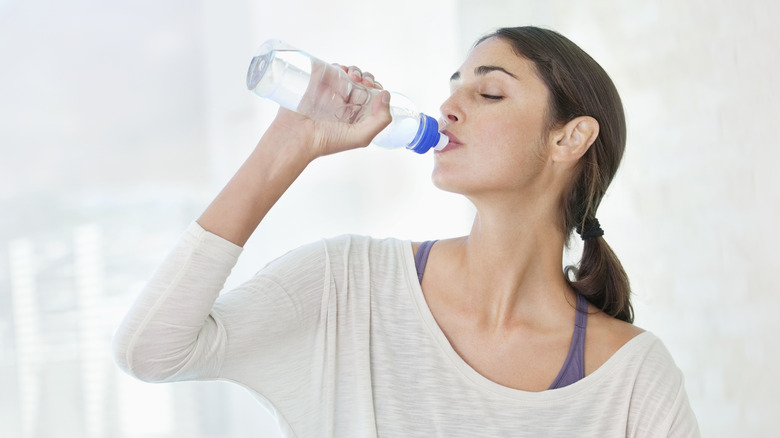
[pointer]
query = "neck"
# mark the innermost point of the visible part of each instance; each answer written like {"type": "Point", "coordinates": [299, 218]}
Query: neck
{"type": "Point", "coordinates": [512, 268]}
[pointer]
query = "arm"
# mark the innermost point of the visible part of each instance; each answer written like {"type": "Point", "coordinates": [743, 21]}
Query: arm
{"type": "Point", "coordinates": [172, 332]}
{"type": "Point", "coordinates": [290, 144]}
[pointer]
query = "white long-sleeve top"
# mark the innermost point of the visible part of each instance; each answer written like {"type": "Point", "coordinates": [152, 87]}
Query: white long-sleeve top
{"type": "Point", "coordinates": [336, 340]}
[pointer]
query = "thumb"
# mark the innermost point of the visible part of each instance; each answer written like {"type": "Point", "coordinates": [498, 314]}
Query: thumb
{"type": "Point", "coordinates": [380, 115]}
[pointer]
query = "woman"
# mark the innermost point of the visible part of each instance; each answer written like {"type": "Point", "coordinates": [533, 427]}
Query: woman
{"type": "Point", "coordinates": [482, 335]}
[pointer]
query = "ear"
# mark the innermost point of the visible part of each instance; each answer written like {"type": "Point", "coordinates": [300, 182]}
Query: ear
{"type": "Point", "coordinates": [574, 139]}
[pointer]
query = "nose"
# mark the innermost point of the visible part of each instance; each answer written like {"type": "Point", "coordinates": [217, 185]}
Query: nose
{"type": "Point", "coordinates": [450, 110]}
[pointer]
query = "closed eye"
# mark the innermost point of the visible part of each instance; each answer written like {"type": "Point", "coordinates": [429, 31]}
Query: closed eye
{"type": "Point", "coordinates": [491, 97]}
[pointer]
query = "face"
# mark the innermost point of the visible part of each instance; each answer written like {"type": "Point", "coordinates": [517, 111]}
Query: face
{"type": "Point", "coordinates": [495, 119]}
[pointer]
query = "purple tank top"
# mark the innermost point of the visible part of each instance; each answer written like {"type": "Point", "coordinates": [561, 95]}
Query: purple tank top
{"type": "Point", "coordinates": [574, 366]}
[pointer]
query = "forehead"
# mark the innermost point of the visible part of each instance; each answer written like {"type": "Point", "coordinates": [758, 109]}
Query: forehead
{"type": "Point", "coordinates": [498, 52]}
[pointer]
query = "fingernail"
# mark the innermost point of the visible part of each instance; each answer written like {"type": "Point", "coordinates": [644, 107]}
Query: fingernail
{"type": "Point", "coordinates": [385, 97]}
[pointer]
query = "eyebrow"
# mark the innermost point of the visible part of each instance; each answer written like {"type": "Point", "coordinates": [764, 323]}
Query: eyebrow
{"type": "Point", "coordinates": [482, 70]}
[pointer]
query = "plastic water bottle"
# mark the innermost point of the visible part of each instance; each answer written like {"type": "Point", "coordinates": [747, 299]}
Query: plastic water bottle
{"type": "Point", "coordinates": [322, 91]}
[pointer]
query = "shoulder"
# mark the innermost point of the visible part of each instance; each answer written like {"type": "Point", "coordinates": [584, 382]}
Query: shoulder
{"type": "Point", "coordinates": [355, 244]}
{"type": "Point", "coordinates": [604, 337]}
{"type": "Point", "coordinates": [341, 245]}
{"type": "Point", "coordinates": [637, 357]}
{"type": "Point", "coordinates": [659, 402]}
{"type": "Point", "coordinates": [642, 364]}
{"type": "Point", "coordinates": [306, 265]}
{"type": "Point", "coordinates": [358, 252]}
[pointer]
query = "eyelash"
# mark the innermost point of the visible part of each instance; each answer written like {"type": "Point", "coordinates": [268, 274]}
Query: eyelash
{"type": "Point", "coordinates": [491, 97]}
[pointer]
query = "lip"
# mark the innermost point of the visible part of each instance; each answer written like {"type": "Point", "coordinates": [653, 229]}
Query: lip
{"type": "Point", "coordinates": [453, 144]}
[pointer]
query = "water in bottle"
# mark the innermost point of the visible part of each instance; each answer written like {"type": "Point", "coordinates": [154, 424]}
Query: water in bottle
{"type": "Point", "coordinates": [322, 91]}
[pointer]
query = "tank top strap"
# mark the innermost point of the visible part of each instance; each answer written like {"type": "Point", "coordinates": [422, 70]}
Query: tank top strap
{"type": "Point", "coordinates": [573, 368]}
{"type": "Point", "coordinates": [421, 257]}
{"type": "Point", "coordinates": [581, 321]}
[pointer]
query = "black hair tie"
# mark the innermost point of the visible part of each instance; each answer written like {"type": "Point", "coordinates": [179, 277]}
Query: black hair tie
{"type": "Point", "coordinates": [591, 228]}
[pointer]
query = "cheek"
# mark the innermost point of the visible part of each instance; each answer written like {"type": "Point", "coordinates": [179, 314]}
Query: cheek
{"type": "Point", "coordinates": [516, 140]}
{"type": "Point", "coordinates": [516, 152]}
{"type": "Point", "coordinates": [520, 123]}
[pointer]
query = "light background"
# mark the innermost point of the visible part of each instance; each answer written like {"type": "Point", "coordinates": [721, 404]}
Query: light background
{"type": "Point", "coordinates": [120, 120]}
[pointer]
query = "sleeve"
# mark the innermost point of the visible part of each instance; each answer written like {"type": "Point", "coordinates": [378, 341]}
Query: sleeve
{"type": "Point", "coordinates": [659, 404]}
{"type": "Point", "coordinates": [181, 328]}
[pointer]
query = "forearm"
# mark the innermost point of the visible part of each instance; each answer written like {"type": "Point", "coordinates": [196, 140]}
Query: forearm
{"type": "Point", "coordinates": [279, 158]}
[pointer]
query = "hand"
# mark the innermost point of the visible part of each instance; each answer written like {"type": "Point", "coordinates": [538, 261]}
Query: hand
{"type": "Point", "coordinates": [347, 129]}
{"type": "Point", "coordinates": [360, 131]}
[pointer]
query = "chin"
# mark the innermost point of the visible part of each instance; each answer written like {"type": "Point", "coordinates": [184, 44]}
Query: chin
{"type": "Point", "coordinates": [448, 182]}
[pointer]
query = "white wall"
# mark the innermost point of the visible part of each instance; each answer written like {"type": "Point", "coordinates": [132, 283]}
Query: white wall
{"type": "Point", "coordinates": [120, 120]}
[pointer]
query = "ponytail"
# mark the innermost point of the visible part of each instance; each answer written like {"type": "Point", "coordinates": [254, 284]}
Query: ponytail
{"type": "Point", "coordinates": [601, 279]}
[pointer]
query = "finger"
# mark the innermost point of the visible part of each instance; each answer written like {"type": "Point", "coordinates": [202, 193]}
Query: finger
{"type": "Point", "coordinates": [355, 73]}
{"type": "Point", "coordinates": [368, 79]}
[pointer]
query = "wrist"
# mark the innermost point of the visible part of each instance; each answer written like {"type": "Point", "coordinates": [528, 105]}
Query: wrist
{"type": "Point", "coordinates": [296, 141]}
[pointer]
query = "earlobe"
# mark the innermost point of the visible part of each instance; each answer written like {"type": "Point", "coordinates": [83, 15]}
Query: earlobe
{"type": "Point", "coordinates": [575, 138]}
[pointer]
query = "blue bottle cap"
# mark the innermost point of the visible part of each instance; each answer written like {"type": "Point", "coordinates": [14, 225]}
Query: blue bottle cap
{"type": "Point", "coordinates": [427, 135]}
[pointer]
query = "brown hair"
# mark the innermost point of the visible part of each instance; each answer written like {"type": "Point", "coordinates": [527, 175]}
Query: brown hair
{"type": "Point", "coordinates": [578, 86]}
